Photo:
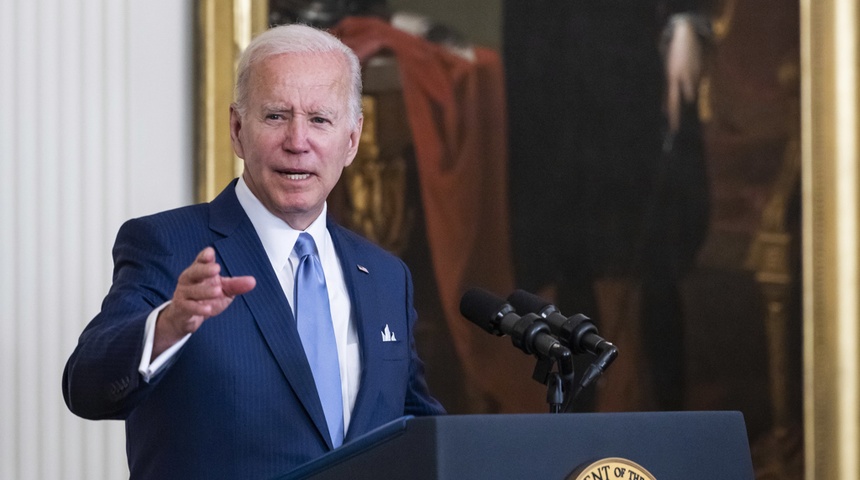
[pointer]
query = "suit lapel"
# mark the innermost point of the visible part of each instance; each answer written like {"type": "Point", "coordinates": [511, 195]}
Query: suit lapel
{"type": "Point", "coordinates": [242, 253]}
{"type": "Point", "coordinates": [362, 295]}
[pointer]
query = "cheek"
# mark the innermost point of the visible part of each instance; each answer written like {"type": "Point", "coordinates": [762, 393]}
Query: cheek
{"type": "Point", "coordinates": [262, 147]}
{"type": "Point", "coordinates": [268, 141]}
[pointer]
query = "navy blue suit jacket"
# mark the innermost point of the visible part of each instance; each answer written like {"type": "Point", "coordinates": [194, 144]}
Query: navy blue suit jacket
{"type": "Point", "coordinates": [238, 401]}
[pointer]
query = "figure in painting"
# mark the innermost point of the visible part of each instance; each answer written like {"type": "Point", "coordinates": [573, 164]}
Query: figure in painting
{"type": "Point", "coordinates": [607, 183]}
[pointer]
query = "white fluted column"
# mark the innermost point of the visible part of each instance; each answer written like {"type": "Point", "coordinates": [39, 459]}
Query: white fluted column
{"type": "Point", "coordinates": [95, 127]}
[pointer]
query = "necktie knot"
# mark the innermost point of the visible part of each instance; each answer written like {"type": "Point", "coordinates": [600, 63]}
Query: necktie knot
{"type": "Point", "coordinates": [305, 245]}
{"type": "Point", "coordinates": [309, 271]}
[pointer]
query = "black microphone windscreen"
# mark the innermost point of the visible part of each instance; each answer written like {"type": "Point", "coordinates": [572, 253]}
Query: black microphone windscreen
{"type": "Point", "coordinates": [481, 307]}
{"type": "Point", "coordinates": [525, 302]}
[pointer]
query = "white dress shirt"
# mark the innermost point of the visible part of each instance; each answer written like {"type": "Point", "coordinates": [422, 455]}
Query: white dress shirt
{"type": "Point", "coordinates": [278, 239]}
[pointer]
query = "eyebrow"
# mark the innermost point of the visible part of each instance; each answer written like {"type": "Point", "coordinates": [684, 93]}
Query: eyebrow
{"type": "Point", "coordinates": [275, 107]}
{"type": "Point", "coordinates": [316, 111]}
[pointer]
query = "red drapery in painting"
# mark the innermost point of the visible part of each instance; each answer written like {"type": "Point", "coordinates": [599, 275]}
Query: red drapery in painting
{"type": "Point", "coordinates": [456, 113]}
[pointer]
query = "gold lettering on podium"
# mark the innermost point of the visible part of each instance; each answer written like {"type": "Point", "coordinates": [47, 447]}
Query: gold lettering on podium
{"type": "Point", "coordinates": [612, 468]}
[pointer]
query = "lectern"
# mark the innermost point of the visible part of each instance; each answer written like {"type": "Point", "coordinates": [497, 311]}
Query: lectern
{"type": "Point", "coordinates": [669, 445]}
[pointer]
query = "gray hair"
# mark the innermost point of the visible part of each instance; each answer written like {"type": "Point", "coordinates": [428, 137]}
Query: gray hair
{"type": "Point", "coordinates": [296, 38]}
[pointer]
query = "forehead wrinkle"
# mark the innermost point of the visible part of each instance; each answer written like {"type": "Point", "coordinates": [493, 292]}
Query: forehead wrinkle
{"type": "Point", "coordinates": [299, 96]}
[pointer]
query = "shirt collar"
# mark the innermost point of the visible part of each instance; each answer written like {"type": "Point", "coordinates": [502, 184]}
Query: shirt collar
{"type": "Point", "coordinates": [277, 236]}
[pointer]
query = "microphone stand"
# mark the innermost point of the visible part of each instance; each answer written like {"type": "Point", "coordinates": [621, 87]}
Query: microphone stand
{"type": "Point", "coordinates": [558, 381]}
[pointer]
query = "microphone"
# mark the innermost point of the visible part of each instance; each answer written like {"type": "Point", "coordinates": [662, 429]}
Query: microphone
{"type": "Point", "coordinates": [529, 333]}
{"type": "Point", "coordinates": [577, 332]}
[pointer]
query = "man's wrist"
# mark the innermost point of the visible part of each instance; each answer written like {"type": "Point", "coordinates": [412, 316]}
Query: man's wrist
{"type": "Point", "coordinates": [153, 361]}
{"type": "Point", "coordinates": [166, 334]}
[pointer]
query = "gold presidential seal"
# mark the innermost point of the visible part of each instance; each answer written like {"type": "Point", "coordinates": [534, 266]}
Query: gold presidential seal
{"type": "Point", "coordinates": [612, 468]}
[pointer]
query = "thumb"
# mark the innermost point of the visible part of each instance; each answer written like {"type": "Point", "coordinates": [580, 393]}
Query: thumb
{"type": "Point", "coordinates": [232, 286]}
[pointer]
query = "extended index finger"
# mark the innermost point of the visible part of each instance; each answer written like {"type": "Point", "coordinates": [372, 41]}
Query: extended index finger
{"type": "Point", "coordinates": [203, 268]}
{"type": "Point", "coordinates": [207, 255]}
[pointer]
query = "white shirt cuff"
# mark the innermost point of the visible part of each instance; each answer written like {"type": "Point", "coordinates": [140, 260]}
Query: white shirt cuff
{"type": "Point", "coordinates": [149, 369]}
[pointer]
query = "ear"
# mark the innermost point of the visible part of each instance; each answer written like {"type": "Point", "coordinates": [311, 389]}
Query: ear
{"type": "Point", "coordinates": [354, 140]}
{"type": "Point", "coordinates": [235, 130]}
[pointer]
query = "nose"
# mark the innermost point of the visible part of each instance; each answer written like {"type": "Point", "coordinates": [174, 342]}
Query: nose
{"type": "Point", "coordinates": [295, 136]}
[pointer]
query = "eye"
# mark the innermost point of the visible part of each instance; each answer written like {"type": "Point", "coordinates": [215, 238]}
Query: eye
{"type": "Point", "coordinates": [320, 120]}
{"type": "Point", "coordinates": [274, 116]}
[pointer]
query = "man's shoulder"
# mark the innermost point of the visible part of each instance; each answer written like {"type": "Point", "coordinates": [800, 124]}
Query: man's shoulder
{"type": "Point", "coordinates": [185, 216]}
{"type": "Point", "coordinates": [224, 207]}
{"type": "Point", "coordinates": [166, 232]}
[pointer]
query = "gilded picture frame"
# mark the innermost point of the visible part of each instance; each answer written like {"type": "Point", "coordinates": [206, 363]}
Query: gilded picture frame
{"type": "Point", "coordinates": [830, 114]}
{"type": "Point", "coordinates": [224, 28]}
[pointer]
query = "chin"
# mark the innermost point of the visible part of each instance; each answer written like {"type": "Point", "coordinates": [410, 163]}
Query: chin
{"type": "Point", "coordinates": [298, 209]}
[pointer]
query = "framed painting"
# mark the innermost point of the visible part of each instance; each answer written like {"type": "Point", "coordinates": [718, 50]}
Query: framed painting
{"type": "Point", "coordinates": [771, 303]}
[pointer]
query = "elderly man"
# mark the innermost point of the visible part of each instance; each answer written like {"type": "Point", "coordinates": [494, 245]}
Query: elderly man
{"type": "Point", "coordinates": [246, 336]}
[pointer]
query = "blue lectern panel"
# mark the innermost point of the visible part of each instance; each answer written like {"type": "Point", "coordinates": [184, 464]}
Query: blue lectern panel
{"type": "Point", "coordinates": [670, 445]}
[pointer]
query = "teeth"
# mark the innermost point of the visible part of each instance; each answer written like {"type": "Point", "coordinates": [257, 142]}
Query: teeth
{"type": "Point", "coordinates": [298, 176]}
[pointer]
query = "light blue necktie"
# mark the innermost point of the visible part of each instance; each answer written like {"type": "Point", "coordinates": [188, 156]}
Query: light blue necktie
{"type": "Point", "coordinates": [313, 317]}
